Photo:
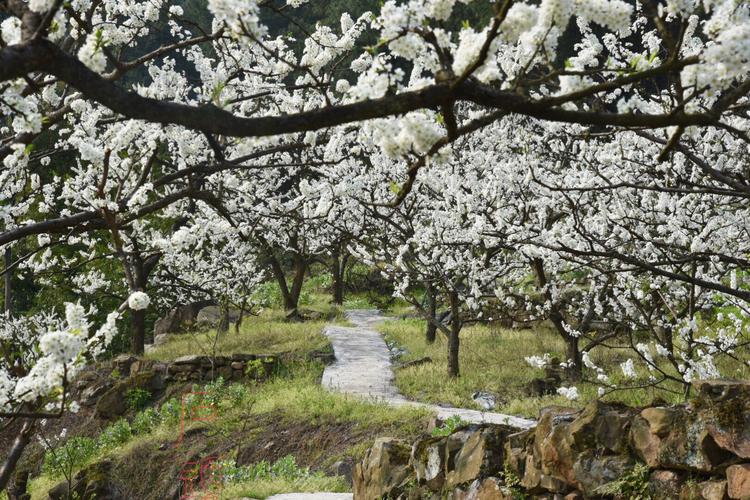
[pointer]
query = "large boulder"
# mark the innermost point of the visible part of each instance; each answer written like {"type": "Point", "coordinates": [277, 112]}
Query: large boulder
{"type": "Point", "coordinates": [675, 438]}
{"type": "Point", "coordinates": [575, 449]}
{"type": "Point", "coordinates": [666, 484]}
{"type": "Point", "coordinates": [724, 408]}
{"type": "Point", "coordinates": [543, 457]}
{"type": "Point", "coordinates": [112, 403]}
{"type": "Point", "coordinates": [705, 490]}
{"type": "Point", "coordinates": [738, 481]}
{"type": "Point", "coordinates": [122, 363]}
{"type": "Point", "coordinates": [384, 471]}
{"type": "Point", "coordinates": [474, 452]}
{"type": "Point", "coordinates": [428, 461]}
{"type": "Point", "coordinates": [179, 318]}
{"type": "Point", "coordinates": [210, 316]}
{"type": "Point", "coordinates": [592, 470]}
{"type": "Point", "coordinates": [471, 453]}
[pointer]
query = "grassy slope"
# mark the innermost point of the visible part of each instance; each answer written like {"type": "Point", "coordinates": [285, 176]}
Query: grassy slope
{"type": "Point", "coordinates": [263, 334]}
{"type": "Point", "coordinates": [492, 359]}
{"type": "Point", "coordinates": [289, 414]}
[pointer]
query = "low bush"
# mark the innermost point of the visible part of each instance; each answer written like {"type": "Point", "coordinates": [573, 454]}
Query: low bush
{"type": "Point", "coordinates": [137, 399]}
{"type": "Point", "coordinates": [115, 435]}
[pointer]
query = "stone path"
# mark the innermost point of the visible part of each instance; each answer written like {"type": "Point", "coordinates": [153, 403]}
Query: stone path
{"type": "Point", "coordinates": [363, 368]}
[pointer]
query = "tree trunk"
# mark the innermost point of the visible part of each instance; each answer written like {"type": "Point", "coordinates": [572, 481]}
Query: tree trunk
{"type": "Point", "coordinates": [8, 280]}
{"type": "Point", "coordinates": [453, 370]}
{"type": "Point", "coordinates": [223, 325]}
{"type": "Point", "coordinates": [300, 268]}
{"type": "Point", "coordinates": [278, 273]}
{"type": "Point", "coordinates": [431, 332]}
{"type": "Point", "coordinates": [137, 331]}
{"type": "Point", "coordinates": [23, 439]}
{"type": "Point", "coordinates": [572, 350]}
{"type": "Point", "coordinates": [339, 264]}
{"type": "Point", "coordinates": [19, 487]}
{"type": "Point", "coordinates": [240, 316]}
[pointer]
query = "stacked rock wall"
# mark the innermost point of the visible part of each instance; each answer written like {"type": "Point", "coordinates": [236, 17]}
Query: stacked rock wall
{"type": "Point", "coordinates": [695, 451]}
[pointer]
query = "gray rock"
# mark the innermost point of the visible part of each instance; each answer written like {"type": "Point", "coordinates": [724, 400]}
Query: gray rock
{"type": "Point", "coordinates": [190, 359]}
{"type": "Point", "coordinates": [179, 318]}
{"type": "Point", "coordinates": [344, 468]}
{"type": "Point", "coordinates": [485, 400]}
{"type": "Point", "coordinates": [210, 316]}
{"type": "Point", "coordinates": [91, 394]}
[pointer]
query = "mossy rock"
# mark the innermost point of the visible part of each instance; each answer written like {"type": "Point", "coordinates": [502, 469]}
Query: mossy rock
{"type": "Point", "coordinates": [112, 404]}
{"type": "Point", "coordinates": [93, 482]}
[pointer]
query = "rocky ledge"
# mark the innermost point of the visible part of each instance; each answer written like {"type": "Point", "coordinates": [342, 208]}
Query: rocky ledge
{"type": "Point", "coordinates": [699, 450]}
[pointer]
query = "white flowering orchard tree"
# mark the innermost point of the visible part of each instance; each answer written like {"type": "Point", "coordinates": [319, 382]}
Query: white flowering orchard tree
{"type": "Point", "coordinates": [41, 354]}
{"type": "Point", "coordinates": [430, 240]}
{"type": "Point", "coordinates": [208, 258]}
{"type": "Point", "coordinates": [667, 231]}
{"type": "Point", "coordinates": [213, 101]}
{"type": "Point", "coordinates": [616, 55]}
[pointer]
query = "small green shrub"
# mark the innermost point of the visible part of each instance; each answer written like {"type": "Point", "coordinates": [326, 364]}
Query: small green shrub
{"type": "Point", "coordinates": [137, 399]}
{"type": "Point", "coordinates": [631, 486]}
{"type": "Point", "coordinates": [267, 294]}
{"type": "Point", "coordinates": [171, 411]}
{"type": "Point", "coordinates": [320, 283]}
{"type": "Point", "coordinates": [65, 460]}
{"type": "Point", "coordinates": [145, 421]}
{"type": "Point", "coordinates": [254, 369]}
{"type": "Point", "coordinates": [449, 426]}
{"type": "Point", "coordinates": [284, 468]}
{"type": "Point", "coordinates": [114, 435]}
{"type": "Point", "coordinates": [237, 393]}
{"type": "Point", "coordinates": [214, 391]}
{"type": "Point", "coordinates": [513, 483]}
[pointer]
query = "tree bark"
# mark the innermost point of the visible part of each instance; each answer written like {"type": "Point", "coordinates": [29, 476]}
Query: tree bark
{"type": "Point", "coordinates": [453, 342]}
{"type": "Point", "coordinates": [300, 268]}
{"type": "Point", "coordinates": [338, 267]}
{"type": "Point", "coordinates": [22, 440]}
{"type": "Point", "coordinates": [290, 296]}
{"type": "Point", "coordinates": [8, 280]}
{"type": "Point", "coordinates": [572, 348]}
{"type": "Point", "coordinates": [138, 318]}
{"type": "Point", "coordinates": [240, 316]}
{"type": "Point", "coordinates": [19, 487]}
{"type": "Point", "coordinates": [137, 331]}
{"type": "Point", "coordinates": [431, 332]}
{"type": "Point", "coordinates": [223, 325]}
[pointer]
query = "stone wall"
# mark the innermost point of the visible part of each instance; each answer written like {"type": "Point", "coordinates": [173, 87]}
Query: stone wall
{"type": "Point", "coordinates": [696, 451]}
{"type": "Point", "coordinates": [202, 368]}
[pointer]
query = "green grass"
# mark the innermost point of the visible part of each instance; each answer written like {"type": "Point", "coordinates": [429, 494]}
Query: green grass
{"type": "Point", "coordinates": [264, 488]}
{"type": "Point", "coordinates": [301, 396]}
{"type": "Point", "coordinates": [492, 359]}
{"type": "Point", "coordinates": [267, 333]}
{"type": "Point", "coordinates": [292, 399]}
